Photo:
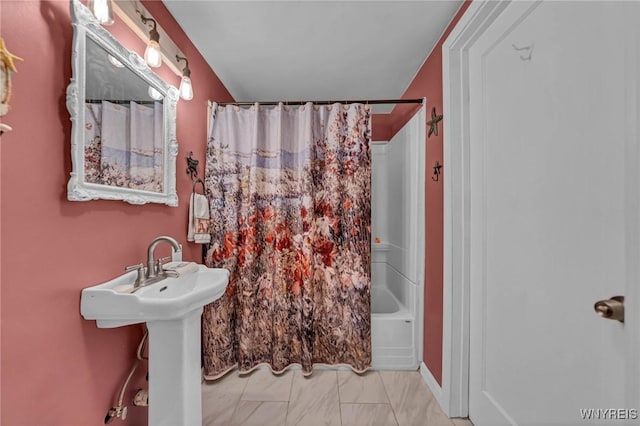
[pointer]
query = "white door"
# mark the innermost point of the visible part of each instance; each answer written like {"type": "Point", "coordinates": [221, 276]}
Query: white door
{"type": "Point", "coordinates": [555, 214]}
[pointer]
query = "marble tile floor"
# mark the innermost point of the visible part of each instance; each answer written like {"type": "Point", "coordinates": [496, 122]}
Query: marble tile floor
{"type": "Point", "coordinates": [328, 397]}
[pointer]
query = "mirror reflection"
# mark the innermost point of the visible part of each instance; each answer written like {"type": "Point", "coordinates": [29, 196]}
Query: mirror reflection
{"type": "Point", "coordinates": [123, 130]}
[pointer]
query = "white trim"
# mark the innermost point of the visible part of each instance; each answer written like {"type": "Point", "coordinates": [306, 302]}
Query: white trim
{"type": "Point", "coordinates": [421, 231]}
{"type": "Point", "coordinates": [431, 382]}
{"type": "Point", "coordinates": [632, 157]}
{"type": "Point", "coordinates": [455, 346]}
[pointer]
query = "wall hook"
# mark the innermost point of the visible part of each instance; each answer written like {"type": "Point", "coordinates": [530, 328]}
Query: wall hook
{"type": "Point", "coordinates": [529, 49]}
{"type": "Point", "coordinates": [192, 166]}
{"type": "Point", "coordinates": [436, 172]}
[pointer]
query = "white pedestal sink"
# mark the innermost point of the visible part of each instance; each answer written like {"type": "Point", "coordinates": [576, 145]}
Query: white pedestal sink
{"type": "Point", "coordinates": [172, 309]}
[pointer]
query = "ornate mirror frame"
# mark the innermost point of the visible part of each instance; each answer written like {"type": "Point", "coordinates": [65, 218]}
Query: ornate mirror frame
{"type": "Point", "coordinates": [78, 189]}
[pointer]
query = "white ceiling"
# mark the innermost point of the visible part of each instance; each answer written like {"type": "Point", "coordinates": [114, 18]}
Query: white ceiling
{"type": "Point", "coordinates": [314, 50]}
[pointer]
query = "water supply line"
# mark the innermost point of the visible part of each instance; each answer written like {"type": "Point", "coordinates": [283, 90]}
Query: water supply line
{"type": "Point", "coordinates": [119, 410]}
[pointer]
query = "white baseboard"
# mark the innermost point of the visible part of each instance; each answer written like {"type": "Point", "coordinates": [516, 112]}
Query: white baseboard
{"type": "Point", "coordinates": [431, 382]}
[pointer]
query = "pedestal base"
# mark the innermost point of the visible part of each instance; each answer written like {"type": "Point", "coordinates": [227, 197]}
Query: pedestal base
{"type": "Point", "coordinates": [175, 393]}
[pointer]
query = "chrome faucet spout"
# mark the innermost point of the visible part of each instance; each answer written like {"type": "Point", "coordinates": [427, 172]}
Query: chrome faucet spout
{"type": "Point", "coordinates": [151, 269]}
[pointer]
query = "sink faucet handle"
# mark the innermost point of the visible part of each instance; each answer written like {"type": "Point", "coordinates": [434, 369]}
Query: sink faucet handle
{"type": "Point", "coordinates": [140, 268]}
{"type": "Point", "coordinates": [160, 262]}
{"type": "Point", "coordinates": [133, 267]}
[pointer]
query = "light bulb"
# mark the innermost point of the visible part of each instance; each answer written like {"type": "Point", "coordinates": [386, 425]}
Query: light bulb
{"type": "Point", "coordinates": [186, 90]}
{"type": "Point", "coordinates": [115, 62]}
{"type": "Point", "coordinates": [154, 94]}
{"type": "Point", "coordinates": [102, 10]}
{"type": "Point", "coordinates": [152, 55]}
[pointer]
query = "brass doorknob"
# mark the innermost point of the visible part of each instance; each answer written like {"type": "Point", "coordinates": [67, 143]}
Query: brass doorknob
{"type": "Point", "coordinates": [611, 308]}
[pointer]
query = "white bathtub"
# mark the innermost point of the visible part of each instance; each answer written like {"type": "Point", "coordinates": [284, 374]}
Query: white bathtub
{"type": "Point", "coordinates": [393, 332]}
{"type": "Point", "coordinates": [384, 302]}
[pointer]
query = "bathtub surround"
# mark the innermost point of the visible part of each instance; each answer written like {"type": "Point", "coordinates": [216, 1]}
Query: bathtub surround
{"type": "Point", "coordinates": [291, 213]}
{"type": "Point", "coordinates": [397, 268]}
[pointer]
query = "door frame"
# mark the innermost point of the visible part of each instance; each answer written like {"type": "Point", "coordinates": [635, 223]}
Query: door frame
{"type": "Point", "coordinates": [454, 393]}
{"type": "Point", "coordinates": [456, 243]}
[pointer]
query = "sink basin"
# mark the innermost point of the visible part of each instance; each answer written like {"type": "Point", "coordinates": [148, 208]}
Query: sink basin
{"type": "Point", "coordinates": [168, 299]}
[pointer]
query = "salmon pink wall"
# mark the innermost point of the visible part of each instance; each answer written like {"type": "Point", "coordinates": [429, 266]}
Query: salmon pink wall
{"type": "Point", "coordinates": [57, 368]}
{"type": "Point", "coordinates": [381, 127]}
{"type": "Point", "coordinates": [428, 83]}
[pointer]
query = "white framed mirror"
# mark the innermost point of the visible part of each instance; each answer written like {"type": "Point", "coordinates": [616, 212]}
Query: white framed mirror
{"type": "Point", "coordinates": [123, 133]}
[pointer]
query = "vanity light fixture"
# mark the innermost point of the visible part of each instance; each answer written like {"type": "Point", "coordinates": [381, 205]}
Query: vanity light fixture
{"type": "Point", "coordinates": [152, 55]}
{"type": "Point", "coordinates": [102, 10]}
{"type": "Point", "coordinates": [186, 90]}
{"type": "Point", "coordinates": [130, 12]}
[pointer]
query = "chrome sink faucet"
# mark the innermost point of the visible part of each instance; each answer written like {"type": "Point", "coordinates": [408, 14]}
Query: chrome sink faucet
{"type": "Point", "coordinates": [153, 272]}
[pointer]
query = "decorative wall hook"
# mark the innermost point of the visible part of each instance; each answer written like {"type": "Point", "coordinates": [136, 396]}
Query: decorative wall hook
{"type": "Point", "coordinates": [192, 166]}
{"type": "Point", "coordinates": [433, 123]}
{"type": "Point", "coordinates": [436, 172]}
{"type": "Point", "coordinates": [528, 49]}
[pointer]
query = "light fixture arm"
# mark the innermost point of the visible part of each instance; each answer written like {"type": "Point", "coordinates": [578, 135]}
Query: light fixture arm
{"type": "Point", "coordinates": [153, 32]}
{"type": "Point", "coordinates": [129, 12]}
{"type": "Point", "coordinates": [186, 72]}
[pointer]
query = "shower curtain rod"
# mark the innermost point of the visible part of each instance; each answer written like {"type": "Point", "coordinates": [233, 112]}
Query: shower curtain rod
{"type": "Point", "coordinates": [366, 102]}
{"type": "Point", "coordinates": [120, 102]}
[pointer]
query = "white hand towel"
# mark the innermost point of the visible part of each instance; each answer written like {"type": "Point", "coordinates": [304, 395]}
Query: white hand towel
{"type": "Point", "coordinates": [177, 269]}
{"type": "Point", "coordinates": [198, 230]}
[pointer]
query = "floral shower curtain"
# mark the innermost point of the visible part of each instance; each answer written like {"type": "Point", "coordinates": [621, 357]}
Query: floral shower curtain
{"type": "Point", "coordinates": [124, 145]}
{"type": "Point", "coordinates": [291, 220]}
